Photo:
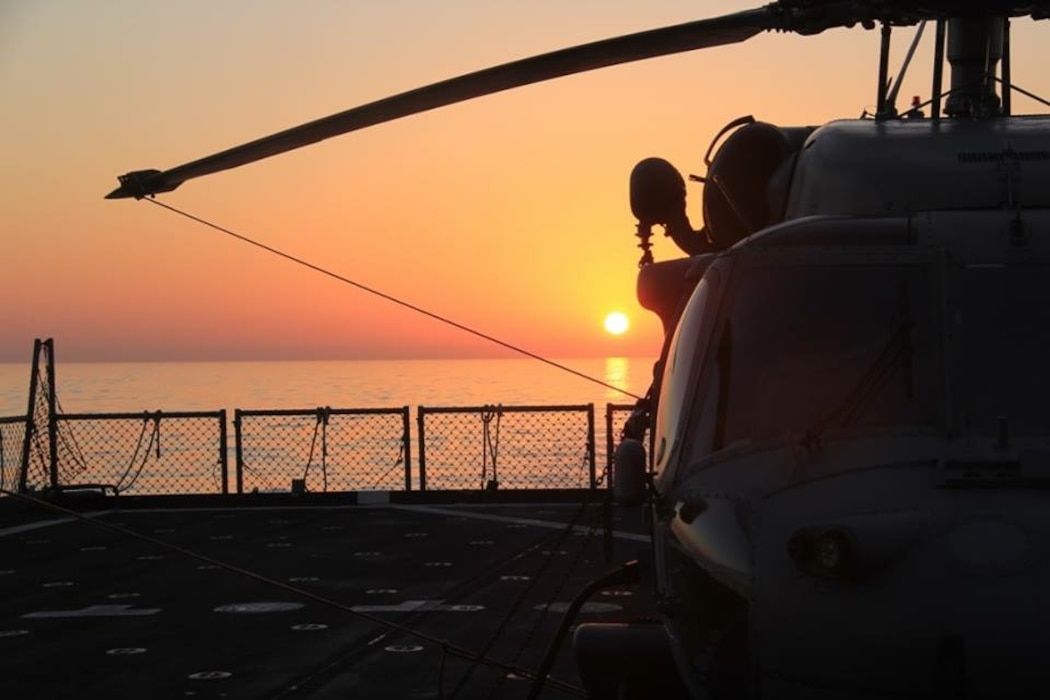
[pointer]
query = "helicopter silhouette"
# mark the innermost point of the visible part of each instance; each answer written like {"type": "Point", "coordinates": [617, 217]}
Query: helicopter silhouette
{"type": "Point", "coordinates": [845, 453]}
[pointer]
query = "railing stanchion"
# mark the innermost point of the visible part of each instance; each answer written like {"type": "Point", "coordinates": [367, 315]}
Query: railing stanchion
{"type": "Point", "coordinates": [224, 462]}
{"type": "Point", "coordinates": [420, 412]}
{"type": "Point", "coordinates": [406, 437]}
{"type": "Point", "coordinates": [591, 446]}
{"type": "Point", "coordinates": [238, 442]}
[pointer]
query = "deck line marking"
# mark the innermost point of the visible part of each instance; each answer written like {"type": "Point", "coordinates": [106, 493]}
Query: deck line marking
{"type": "Point", "coordinates": [552, 525]}
{"type": "Point", "coordinates": [414, 606]}
{"type": "Point", "coordinates": [96, 611]}
{"type": "Point", "coordinates": [29, 527]}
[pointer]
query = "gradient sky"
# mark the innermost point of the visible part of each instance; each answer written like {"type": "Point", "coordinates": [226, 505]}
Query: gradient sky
{"type": "Point", "coordinates": [508, 214]}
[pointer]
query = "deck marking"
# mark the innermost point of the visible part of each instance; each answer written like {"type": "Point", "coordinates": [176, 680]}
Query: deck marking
{"type": "Point", "coordinates": [119, 596]}
{"type": "Point", "coordinates": [13, 633]}
{"type": "Point", "coordinates": [210, 675]}
{"type": "Point", "coordinates": [372, 498]}
{"type": "Point", "coordinates": [309, 627]}
{"type": "Point", "coordinates": [96, 611]}
{"type": "Point", "coordinates": [417, 606]}
{"type": "Point", "coordinates": [403, 648]}
{"type": "Point", "coordinates": [258, 607]}
{"type": "Point", "coordinates": [58, 584]}
{"type": "Point", "coordinates": [48, 523]}
{"type": "Point", "coordinates": [378, 639]}
{"type": "Point", "coordinates": [553, 525]}
{"type": "Point", "coordinates": [126, 651]}
{"type": "Point", "coordinates": [588, 607]}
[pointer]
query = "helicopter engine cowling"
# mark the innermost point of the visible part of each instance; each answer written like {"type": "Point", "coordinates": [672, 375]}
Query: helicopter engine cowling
{"type": "Point", "coordinates": [745, 188]}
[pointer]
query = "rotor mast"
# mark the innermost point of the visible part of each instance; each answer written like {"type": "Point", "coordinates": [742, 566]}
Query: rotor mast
{"type": "Point", "coordinates": [975, 47]}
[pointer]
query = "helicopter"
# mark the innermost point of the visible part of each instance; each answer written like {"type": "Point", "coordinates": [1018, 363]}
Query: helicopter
{"type": "Point", "coordinates": [844, 455]}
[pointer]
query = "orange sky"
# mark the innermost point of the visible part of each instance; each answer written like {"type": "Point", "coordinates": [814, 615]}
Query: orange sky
{"type": "Point", "coordinates": [508, 213]}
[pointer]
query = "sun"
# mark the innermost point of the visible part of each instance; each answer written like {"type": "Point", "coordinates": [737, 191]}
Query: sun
{"type": "Point", "coordinates": [616, 323]}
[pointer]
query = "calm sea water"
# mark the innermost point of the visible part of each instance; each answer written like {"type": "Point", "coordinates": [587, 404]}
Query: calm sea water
{"type": "Point", "coordinates": [210, 386]}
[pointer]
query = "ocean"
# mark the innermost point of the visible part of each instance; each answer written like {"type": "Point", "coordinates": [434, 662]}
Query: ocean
{"type": "Point", "coordinates": [211, 386]}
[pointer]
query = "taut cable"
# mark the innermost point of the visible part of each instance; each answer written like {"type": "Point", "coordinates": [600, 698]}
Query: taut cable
{"type": "Point", "coordinates": [382, 295]}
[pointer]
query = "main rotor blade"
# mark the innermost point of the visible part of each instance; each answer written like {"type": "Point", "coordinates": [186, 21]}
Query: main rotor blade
{"type": "Point", "coordinates": [728, 29]}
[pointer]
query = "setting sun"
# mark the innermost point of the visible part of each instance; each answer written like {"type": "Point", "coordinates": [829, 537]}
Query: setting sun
{"type": "Point", "coordinates": [616, 323]}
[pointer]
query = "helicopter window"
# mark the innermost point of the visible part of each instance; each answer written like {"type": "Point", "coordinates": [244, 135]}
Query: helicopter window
{"type": "Point", "coordinates": [810, 348]}
{"type": "Point", "coordinates": [999, 354]}
{"type": "Point", "coordinates": [688, 340]}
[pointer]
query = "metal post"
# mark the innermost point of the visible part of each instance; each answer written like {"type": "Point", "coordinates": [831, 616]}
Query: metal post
{"type": "Point", "coordinates": [590, 444]}
{"type": "Point", "coordinates": [1007, 88]}
{"type": "Point", "coordinates": [884, 69]}
{"type": "Point", "coordinates": [52, 421]}
{"type": "Point", "coordinates": [609, 447]}
{"type": "Point", "coordinates": [237, 448]}
{"type": "Point", "coordinates": [223, 461]}
{"type": "Point", "coordinates": [420, 413]}
{"type": "Point", "coordinates": [938, 69]}
{"type": "Point", "coordinates": [406, 437]}
{"type": "Point", "coordinates": [27, 443]}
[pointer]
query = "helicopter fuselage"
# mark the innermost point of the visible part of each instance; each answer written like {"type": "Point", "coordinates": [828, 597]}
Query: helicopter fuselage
{"type": "Point", "coordinates": [850, 448]}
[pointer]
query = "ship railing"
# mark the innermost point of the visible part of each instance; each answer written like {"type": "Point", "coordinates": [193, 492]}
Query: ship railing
{"type": "Point", "coordinates": [510, 447]}
{"type": "Point", "coordinates": [143, 453]}
{"type": "Point", "coordinates": [322, 450]}
{"type": "Point", "coordinates": [12, 443]}
{"type": "Point", "coordinates": [333, 450]}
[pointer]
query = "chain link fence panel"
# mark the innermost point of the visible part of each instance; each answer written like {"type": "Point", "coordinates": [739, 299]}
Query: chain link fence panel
{"type": "Point", "coordinates": [150, 453]}
{"type": "Point", "coordinates": [517, 447]}
{"type": "Point", "coordinates": [323, 450]}
{"type": "Point", "coordinates": [12, 442]}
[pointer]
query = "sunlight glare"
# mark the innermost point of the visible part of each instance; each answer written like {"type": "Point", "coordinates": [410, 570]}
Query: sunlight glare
{"type": "Point", "coordinates": [616, 323]}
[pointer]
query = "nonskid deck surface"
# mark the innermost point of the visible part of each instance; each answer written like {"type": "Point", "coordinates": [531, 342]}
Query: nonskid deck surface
{"type": "Point", "coordinates": [92, 612]}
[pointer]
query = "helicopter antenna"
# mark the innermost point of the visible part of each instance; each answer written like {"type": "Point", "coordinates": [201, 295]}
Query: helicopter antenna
{"type": "Point", "coordinates": [891, 99]}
